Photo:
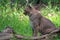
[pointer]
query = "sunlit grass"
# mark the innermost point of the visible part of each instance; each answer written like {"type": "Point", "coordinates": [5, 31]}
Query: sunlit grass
{"type": "Point", "coordinates": [16, 19]}
{"type": "Point", "coordinates": [52, 14]}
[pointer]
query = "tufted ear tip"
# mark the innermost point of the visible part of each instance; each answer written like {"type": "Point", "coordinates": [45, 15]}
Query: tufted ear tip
{"type": "Point", "coordinates": [30, 6]}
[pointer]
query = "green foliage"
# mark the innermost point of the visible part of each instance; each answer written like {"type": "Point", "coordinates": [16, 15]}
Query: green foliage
{"type": "Point", "coordinates": [19, 22]}
{"type": "Point", "coordinates": [52, 14]}
{"type": "Point", "coordinates": [46, 1]}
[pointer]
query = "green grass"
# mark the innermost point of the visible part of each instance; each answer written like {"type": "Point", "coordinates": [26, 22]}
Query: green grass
{"type": "Point", "coordinates": [16, 19]}
{"type": "Point", "coordinates": [20, 23]}
{"type": "Point", "coordinates": [52, 14]}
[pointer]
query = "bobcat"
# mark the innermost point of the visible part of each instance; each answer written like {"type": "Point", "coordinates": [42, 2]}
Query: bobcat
{"type": "Point", "coordinates": [38, 22]}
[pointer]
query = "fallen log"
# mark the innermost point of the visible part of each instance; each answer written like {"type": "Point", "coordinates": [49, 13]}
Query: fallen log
{"type": "Point", "coordinates": [43, 37]}
{"type": "Point", "coordinates": [8, 33]}
{"type": "Point", "coordinates": [5, 36]}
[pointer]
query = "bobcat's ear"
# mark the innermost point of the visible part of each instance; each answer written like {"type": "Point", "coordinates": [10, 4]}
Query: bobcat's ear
{"type": "Point", "coordinates": [37, 7]}
{"type": "Point", "coordinates": [30, 7]}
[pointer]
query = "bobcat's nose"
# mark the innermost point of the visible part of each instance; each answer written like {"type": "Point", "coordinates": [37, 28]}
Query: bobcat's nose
{"type": "Point", "coordinates": [25, 12]}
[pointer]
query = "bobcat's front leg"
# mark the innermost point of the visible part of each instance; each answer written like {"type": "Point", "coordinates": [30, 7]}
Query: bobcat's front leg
{"type": "Point", "coordinates": [35, 32]}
